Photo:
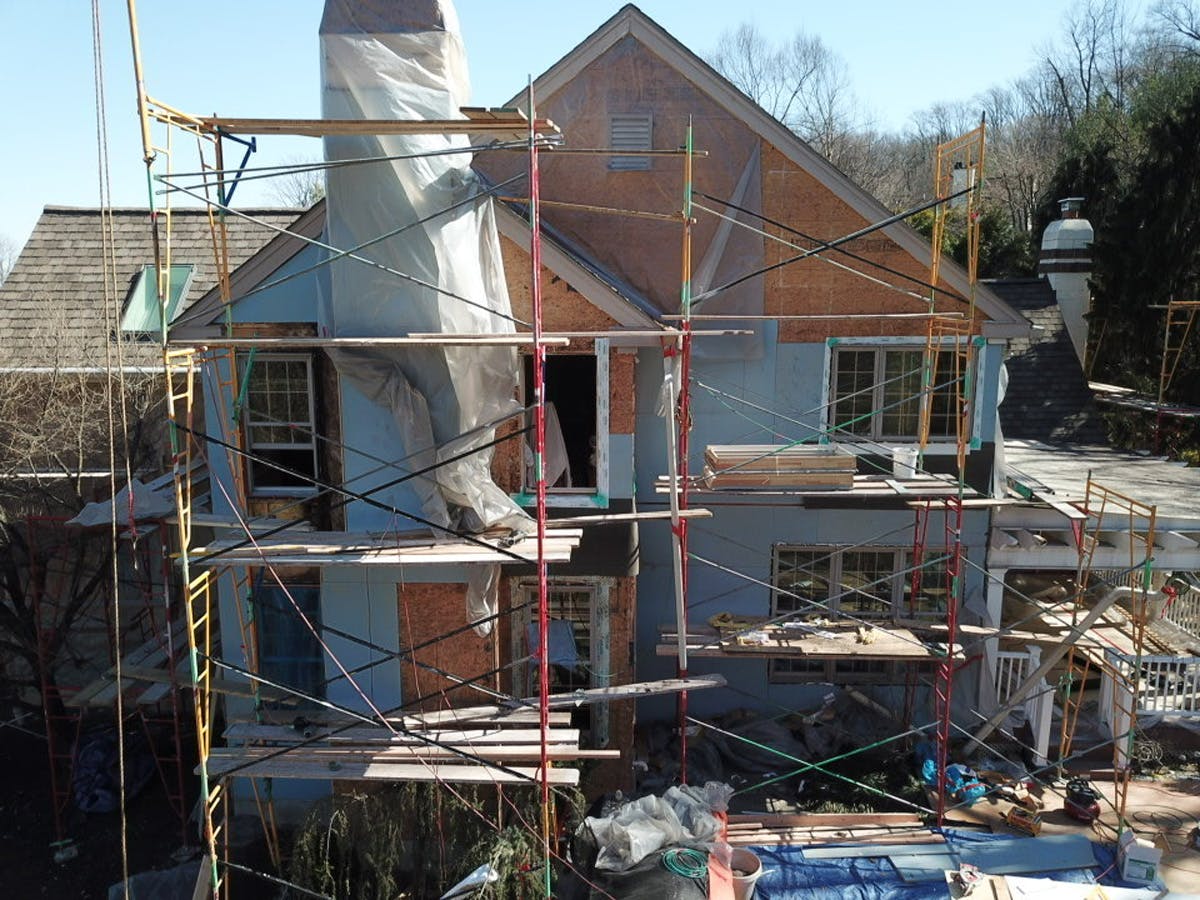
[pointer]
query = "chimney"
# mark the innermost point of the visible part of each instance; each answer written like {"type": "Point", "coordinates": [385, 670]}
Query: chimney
{"type": "Point", "coordinates": [1066, 262]}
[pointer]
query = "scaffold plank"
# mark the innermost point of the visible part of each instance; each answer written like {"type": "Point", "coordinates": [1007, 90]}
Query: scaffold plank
{"type": "Point", "coordinates": [282, 767]}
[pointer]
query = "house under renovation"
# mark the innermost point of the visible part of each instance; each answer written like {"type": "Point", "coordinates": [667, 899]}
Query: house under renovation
{"type": "Point", "coordinates": [615, 440]}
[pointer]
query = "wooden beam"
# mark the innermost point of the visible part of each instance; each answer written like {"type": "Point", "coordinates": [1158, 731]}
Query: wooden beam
{"type": "Point", "coordinates": [282, 767]}
{"type": "Point", "coordinates": [324, 753]}
{"type": "Point", "coordinates": [573, 699]}
{"type": "Point", "coordinates": [515, 125]}
{"type": "Point", "coordinates": [367, 734]}
{"type": "Point", "coordinates": [307, 343]}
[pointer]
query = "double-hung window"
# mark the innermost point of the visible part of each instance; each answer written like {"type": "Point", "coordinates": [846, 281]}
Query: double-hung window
{"type": "Point", "coordinates": [875, 393]}
{"type": "Point", "coordinates": [279, 422]}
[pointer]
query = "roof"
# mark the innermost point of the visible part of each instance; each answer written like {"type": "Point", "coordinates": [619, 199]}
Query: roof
{"type": "Point", "coordinates": [582, 274]}
{"type": "Point", "coordinates": [1047, 398]}
{"type": "Point", "coordinates": [631, 21]}
{"type": "Point", "coordinates": [1170, 486]}
{"type": "Point", "coordinates": [52, 306]}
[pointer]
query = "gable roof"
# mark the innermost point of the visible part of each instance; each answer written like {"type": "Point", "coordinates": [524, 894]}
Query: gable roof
{"type": "Point", "coordinates": [1002, 320]}
{"type": "Point", "coordinates": [1047, 398]}
{"type": "Point", "coordinates": [55, 293]}
{"type": "Point", "coordinates": [585, 277]}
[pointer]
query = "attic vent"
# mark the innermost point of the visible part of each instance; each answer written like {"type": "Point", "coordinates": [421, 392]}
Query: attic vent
{"type": "Point", "coordinates": [630, 131]}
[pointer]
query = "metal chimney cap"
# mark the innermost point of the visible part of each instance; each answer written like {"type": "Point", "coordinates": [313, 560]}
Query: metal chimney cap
{"type": "Point", "coordinates": [1071, 207]}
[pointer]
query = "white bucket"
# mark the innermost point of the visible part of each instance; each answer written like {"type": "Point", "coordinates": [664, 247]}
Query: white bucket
{"type": "Point", "coordinates": [904, 463]}
{"type": "Point", "coordinates": [747, 862]}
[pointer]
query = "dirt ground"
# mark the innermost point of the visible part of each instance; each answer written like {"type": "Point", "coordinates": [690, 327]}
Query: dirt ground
{"type": "Point", "coordinates": [27, 831]}
{"type": "Point", "coordinates": [1164, 810]}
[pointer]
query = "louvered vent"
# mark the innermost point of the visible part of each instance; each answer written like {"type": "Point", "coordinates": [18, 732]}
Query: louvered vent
{"type": "Point", "coordinates": [630, 132]}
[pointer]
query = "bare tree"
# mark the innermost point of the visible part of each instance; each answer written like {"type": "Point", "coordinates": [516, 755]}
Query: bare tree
{"type": "Point", "coordinates": [8, 255]}
{"type": "Point", "coordinates": [1182, 19]}
{"type": "Point", "coordinates": [805, 85]}
{"type": "Point", "coordinates": [57, 420]}
{"type": "Point", "coordinates": [301, 186]}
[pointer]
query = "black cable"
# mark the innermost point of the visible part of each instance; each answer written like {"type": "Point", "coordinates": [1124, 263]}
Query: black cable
{"type": "Point", "coordinates": [829, 245]}
{"type": "Point", "coordinates": [191, 315]}
{"type": "Point", "coordinates": [398, 729]}
{"type": "Point", "coordinates": [356, 495]}
{"type": "Point", "coordinates": [851, 254]}
{"type": "Point", "coordinates": [348, 500]}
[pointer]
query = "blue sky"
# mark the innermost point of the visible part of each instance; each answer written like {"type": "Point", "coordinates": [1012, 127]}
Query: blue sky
{"type": "Point", "coordinates": [259, 58]}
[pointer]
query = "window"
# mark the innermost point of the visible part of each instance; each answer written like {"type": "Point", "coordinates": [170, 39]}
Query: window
{"type": "Point", "coordinates": [866, 582]}
{"type": "Point", "coordinates": [875, 393]}
{"type": "Point", "coordinates": [576, 457]}
{"type": "Point", "coordinates": [578, 644]}
{"type": "Point", "coordinates": [143, 313]}
{"type": "Point", "coordinates": [279, 423]}
{"type": "Point", "coordinates": [630, 131]}
{"type": "Point", "coordinates": [288, 651]}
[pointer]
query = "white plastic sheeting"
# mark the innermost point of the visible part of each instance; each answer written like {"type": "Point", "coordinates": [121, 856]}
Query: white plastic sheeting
{"type": "Point", "coordinates": [405, 60]}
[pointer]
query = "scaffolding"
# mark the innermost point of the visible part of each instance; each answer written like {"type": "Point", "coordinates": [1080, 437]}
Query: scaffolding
{"type": "Point", "coordinates": [414, 744]}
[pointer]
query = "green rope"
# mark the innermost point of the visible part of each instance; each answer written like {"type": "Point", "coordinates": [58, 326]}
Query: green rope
{"type": "Point", "coordinates": [686, 862]}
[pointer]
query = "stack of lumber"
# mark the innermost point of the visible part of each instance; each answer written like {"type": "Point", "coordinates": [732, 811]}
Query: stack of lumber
{"type": "Point", "coordinates": [146, 672]}
{"type": "Point", "coordinates": [821, 468]}
{"type": "Point", "coordinates": [776, 829]}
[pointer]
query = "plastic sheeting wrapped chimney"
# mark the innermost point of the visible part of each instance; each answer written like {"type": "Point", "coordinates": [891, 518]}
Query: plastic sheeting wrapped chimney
{"type": "Point", "coordinates": [405, 60]}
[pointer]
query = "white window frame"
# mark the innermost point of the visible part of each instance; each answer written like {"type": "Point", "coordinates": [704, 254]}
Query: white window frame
{"type": "Point", "coordinates": [881, 346]}
{"type": "Point", "coordinates": [780, 669]}
{"type": "Point", "coordinates": [248, 423]}
{"type": "Point", "coordinates": [592, 497]}
{"type": "Point", "coordinates": [524, 595]}
{"type": "Point", "coordinates": [621, 136]}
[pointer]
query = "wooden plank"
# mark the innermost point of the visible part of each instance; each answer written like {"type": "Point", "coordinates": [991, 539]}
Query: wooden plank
{"type": "Point", "coordinates": [282, 767]}
{"type": "Point", "coordinates": [575, 698]}
{"type": "Point", "coordinates": [325, 753]}
{"type": "Point", "coordinates": [821, 820]}
{"type": "Point", "coordinates": [515, 126]}
{"type": "Point", "coordinates": [152, 653]}
{"type": "Point", "coordinates": [301, 342]}
{"type": "Point", "coordinates": [244, 731]}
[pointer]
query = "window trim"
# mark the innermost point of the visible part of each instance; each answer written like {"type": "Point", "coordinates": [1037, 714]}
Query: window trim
{"type": "Point", "coordinates": [594, 497]}
{"type": "Point", "coordinates": [252, 489]}
{"type": "Point", "coordinates": [937, 443]}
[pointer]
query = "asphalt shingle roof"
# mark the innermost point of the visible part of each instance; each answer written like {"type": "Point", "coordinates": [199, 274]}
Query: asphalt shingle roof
{"type": "Point", "coordinates": [52, 304]}
{"type": "Point", "coordinates": [1048, 398]}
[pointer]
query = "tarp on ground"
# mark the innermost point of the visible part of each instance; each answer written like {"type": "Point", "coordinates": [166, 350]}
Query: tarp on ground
{"type": "Point", "coordinates": [789, 875]}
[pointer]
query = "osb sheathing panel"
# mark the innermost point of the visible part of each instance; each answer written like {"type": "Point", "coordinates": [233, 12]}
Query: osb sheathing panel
{"type": "Point", "coordinates": [628, 78]}
{"type": "Point", "coordinates": [815, 287]}
{"type": "Point", "coordinates": [563, 307]}
{"type": "Point", "coordinates": [427, 611]}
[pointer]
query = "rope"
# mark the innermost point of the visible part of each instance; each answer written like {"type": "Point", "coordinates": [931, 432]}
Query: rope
{"type": "Point", "coordinates": [686, 862]}
{"type": "Point", "coordinates": [111, 324]}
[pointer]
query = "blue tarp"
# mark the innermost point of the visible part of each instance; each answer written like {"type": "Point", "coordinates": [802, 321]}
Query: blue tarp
{"type": "Point", "coordinates": [788, 875]}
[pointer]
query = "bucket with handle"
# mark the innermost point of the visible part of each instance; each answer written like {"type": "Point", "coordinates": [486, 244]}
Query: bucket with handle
{"type": "Point", "coordinates": [747, 868]}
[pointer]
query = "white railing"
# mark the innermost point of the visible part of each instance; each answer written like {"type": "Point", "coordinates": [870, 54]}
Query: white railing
{"type": "Point", "coordinates": [1168, 685]}
{"type": "Point", "coordinates": [1184, 611]}
{"type": "Point", "coordinates": [1013, 667]}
